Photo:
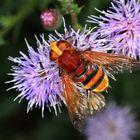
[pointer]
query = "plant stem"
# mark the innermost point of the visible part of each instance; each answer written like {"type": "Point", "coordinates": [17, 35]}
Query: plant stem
{"type": "Point", "coordinates": [74, 20]}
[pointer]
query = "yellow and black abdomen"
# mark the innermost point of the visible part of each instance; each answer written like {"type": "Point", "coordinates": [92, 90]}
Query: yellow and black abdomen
{"type": "Point", "coordinates": [94, 78]}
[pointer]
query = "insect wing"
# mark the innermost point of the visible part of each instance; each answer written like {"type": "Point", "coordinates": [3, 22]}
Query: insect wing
{"type": "Point", "coordinates": [80, 105]}
{"type": "Point", "coordinates": [111, 62]}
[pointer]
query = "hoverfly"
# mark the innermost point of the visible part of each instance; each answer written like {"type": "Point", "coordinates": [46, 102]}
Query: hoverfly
{"type": "Point", "coordinates": [84, 76]}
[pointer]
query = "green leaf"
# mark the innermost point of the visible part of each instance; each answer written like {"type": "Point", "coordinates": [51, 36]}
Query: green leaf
{"type": "Point", "coordinates": [75, 8]}
{"type": "Point", "coordinates": [6, 21]}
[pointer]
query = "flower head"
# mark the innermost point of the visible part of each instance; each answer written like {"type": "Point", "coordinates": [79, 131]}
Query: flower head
{"type": "Point", "coordinates": [113, 123]}
{"type": "Point", "coordinates": [51, 19]}
{"type": "Point", "coordinates": [120, 27]}
{"type": "Point", "coordinates": [37, 78]}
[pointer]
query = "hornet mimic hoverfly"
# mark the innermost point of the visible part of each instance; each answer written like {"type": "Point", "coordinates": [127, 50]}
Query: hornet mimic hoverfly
{"type": "Point", "coordinates": [84, 76]}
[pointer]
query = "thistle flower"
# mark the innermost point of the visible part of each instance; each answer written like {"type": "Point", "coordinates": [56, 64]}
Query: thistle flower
{"type": "Point", "coordinates": [51, 19]}
{"type": "Point", "coordinates": [120, 27]}
{"type": "Point", "coordinates": [37, 78]}
{"type": "Point", "coordinates": [113, 123]}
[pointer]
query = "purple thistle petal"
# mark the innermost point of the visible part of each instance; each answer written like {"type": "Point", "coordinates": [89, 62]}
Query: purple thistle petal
{"type": "Point", "coordinates": [80, 40]}
{"type": "Point", "coordinates": [113, 123]}
{"type": "Point", "coordinates": [120, 27]}
{"type": "Point", "coordinates": [37, 78]}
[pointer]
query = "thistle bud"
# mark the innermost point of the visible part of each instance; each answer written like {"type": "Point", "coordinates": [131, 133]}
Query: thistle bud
{"type": "Point", "coordinates": [51, 19]}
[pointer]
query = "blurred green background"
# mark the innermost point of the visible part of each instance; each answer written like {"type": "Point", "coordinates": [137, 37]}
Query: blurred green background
{"type": "Point", "coordinates": [20, 19]}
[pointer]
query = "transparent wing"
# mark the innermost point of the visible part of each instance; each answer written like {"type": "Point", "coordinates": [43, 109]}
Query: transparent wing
{"type": "Point", "coordinates": [79, 104]}
{"type": "Point", "coordinates": [111, 62]}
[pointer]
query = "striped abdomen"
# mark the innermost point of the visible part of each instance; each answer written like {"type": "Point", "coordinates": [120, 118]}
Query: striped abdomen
{"type": "Point", "coordinates": [90, 75]}
{"type": "Point", "coordinates": [93, 78]}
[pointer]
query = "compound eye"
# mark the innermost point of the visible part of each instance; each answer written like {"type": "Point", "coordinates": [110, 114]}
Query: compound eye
{"type": "Point", "coordinates": [53, 56]}
{"type": "Point", "coordinates": [63, 45]}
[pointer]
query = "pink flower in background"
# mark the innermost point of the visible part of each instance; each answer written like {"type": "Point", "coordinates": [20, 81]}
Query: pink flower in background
{"type": "Point", "coordinates": [51, 19]}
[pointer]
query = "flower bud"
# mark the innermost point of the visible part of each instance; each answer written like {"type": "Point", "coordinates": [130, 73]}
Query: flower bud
{"type": "Point", "coordinates": [51, 19]}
